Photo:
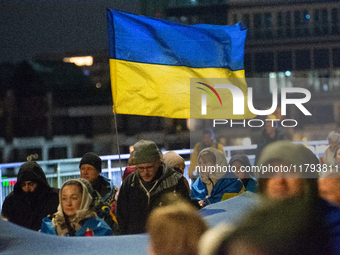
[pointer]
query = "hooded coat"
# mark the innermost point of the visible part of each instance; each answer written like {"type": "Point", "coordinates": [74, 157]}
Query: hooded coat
{"type": "Point", "coordinates": [197, 149]}
{"type": "Point", "coordinates": [250, 183]}
{"type": "Point", "coordinates": [28, 209]}
{"type": "Point", "coordinates": [137, 198]}
{"type": "Point", "coordinates": [218, 185]}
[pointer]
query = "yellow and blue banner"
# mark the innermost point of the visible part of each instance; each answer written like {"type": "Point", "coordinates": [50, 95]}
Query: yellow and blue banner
{"type": "Point", "coordinates": [153, 60]}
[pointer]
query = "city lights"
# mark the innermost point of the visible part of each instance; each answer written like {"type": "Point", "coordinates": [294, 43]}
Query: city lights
{"type": "Point", "coordinates": [80, 61]}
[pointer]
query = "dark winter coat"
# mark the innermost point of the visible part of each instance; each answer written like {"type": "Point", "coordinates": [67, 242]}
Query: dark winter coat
{"type": "Point", "coordinates": [105, 188]}
{"type": "Point", "coordinates": [137, 198]}
{"type": "Point", "coordinates": [28, 209]}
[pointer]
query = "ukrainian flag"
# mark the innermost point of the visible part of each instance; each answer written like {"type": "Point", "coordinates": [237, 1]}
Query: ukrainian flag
{"type": "Point", "coordinates": [153, 60]}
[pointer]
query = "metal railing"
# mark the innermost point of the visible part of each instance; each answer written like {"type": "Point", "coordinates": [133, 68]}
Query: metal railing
{"type": "Point", "coordinates": [58, 171]}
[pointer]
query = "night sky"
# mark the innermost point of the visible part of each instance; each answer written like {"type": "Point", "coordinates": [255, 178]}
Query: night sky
{"type": "Point", "coordinates": [31, 28]}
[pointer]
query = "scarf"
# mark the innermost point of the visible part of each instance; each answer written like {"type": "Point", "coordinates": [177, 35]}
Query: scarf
{"type": "Point", "coordinates": [65, 225]}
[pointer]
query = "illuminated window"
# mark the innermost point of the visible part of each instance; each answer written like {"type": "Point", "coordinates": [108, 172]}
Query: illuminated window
{"type": "Point", "coordinates": [80, 61]}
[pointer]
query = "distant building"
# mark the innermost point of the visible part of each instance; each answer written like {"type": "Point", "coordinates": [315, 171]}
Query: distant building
{"type": "Point", "coordinates": [285, 40]}
{"type": "Point", "coordinates": [69, 105]}
{"type": "Point", "coordinates": [60, 106]}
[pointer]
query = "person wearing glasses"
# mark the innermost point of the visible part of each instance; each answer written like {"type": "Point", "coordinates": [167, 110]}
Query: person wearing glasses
{"type": "Point", "coordinates": [90, 169]}
{"type": "Point", "coordinates": [144, 189]}
{"type": "Point", "coordinates": [103, 189]}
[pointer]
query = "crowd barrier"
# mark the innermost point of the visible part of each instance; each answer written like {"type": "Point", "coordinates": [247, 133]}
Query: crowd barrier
{"type": "Point", "coordinates": [58, 171]}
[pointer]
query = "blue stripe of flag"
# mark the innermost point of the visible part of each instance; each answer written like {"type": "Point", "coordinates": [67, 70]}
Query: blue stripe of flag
{"type": "Point", "coordinates": [155, 41]}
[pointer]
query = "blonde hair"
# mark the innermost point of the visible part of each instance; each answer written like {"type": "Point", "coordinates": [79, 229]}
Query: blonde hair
{"type": "Point", "coordinates": [175, 229]}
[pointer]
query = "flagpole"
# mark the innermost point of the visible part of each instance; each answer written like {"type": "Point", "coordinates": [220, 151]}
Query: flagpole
{"type": "Point", "coordinates": [119, 158]}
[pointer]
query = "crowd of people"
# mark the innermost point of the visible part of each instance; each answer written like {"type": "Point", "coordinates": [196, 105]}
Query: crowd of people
{"type": "Point", "coordinates": [297, 212]}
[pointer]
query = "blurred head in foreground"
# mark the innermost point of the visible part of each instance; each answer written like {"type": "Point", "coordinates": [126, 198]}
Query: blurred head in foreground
{"type": "Point", "coordinates": [280, 228]}
{"type": "Point", "coordinates": [329, 187]}
{"type": "Point", "coordinates": [175, 229]}
{"type": "Point", "coordinates": [289, 171]}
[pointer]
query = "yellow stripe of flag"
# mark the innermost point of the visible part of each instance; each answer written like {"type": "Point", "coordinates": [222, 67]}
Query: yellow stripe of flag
{"type": "Point", "coordinates": [164, 92]}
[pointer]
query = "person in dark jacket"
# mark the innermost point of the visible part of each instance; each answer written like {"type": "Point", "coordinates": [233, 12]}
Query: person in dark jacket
{"type": "Point", "coordinates": [144, 189]}
{"type": "Point", "coordinates": [291, 217]}
{"type": "Point", "coordinates": [293, 226]}
{"type": "Point", "coordinates": [32, 198]}
{"type": "Point", "coordinates": [302, 182]}
{"type": "Point", "coordinates": [103, 190]}
{"type": "Point", "coordinates": [90, 169]}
